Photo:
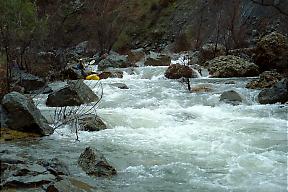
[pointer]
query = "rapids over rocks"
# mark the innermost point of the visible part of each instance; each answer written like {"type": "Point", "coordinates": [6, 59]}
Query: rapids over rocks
{"type": "Point", "coordinates": [163, 138]}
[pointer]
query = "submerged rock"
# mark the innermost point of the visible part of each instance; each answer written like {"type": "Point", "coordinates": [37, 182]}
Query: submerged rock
{"type": "Point", "coordinates": [177, 71]}
{"type": "Point", "coordinates": [95, 164]}
{"type": "Point", "coordinates": [74, 94]}
{"type": "Point", "coordinates": [267, 80]}
{"type": "Point", "coordinates": [277, 93]}
{"type": "Point", "coordinates": [23, 115]}
{"type": "Point", "coordinates": [91, 123]}
{"type": "Point", "coordinates": [120, 85]}
{"type": "Point", "coordinates": [231, 97]}
{"type": "Point", "coordinates": [231, 66]}
{"type": "Point", "coordinates": [201, 89]}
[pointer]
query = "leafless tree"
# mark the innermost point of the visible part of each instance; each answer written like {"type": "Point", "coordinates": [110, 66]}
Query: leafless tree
{"type": "Point", "coordinates": [71, 115]}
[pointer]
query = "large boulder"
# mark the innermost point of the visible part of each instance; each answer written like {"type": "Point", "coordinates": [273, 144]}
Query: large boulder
{"type": "Point", "coordinates": [157, 59]}
{"type": "Point", "coordinates": [275, 94]}
{"type": "Point", "coordinates": [231, 66]}
{"type": "Point", "coordinates": [231, 97]}
{"type": "Point", "coordinates": [95, 164]}
{"type": "Point", "coordinates": [267, 79]}
{"type": "Point", "coordinates": [23, 115]}
{"type": "Point", "coordinates": [114, 60]}
{"type": "Point", "coordinates": [209, 51]}
{"type": "Point", "coordinates": [91, 123]}
{"type": "Point", "coordinates": [75, 93]}
{"type": "Point", "coordinates": [136, 55]}
{"type": "Point", "coordinates": [176, 71]}
{"type": "Point", "coordinates": [272, 52]}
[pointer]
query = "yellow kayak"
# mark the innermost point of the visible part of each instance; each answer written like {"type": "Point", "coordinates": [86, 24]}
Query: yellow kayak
{"type": "Point", "coordinates": [93, 77]}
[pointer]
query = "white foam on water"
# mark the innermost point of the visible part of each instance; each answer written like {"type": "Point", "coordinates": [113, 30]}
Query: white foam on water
{"type": "Point", "coordinates": [162, 137]}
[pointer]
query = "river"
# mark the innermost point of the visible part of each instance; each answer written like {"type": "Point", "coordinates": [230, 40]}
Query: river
{"type": "Point", "coordinates": [163, 138]}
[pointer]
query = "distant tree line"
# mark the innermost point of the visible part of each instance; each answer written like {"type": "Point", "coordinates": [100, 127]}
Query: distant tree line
{"type": "Point", "coordinates": [31, 26]}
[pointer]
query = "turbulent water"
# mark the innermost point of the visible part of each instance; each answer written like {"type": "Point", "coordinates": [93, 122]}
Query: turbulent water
{"type": "Point", "coordinates": [163, 138]}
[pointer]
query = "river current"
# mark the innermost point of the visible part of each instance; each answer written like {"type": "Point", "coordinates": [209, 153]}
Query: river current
{"type": "Point", "coordinates": [163, 138]}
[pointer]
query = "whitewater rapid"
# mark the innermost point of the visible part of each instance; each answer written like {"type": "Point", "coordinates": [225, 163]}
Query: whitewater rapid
{"type": "Point", "coordinates": [163, 138]}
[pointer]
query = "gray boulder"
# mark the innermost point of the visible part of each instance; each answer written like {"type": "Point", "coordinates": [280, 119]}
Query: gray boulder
{"type": "Point", "coordinates": [231, 66]}
{"type": "Point", "coordinates": [275, 94]}
{"type": "Point", "coordinates": [23, 115]}
{"type": "Point", "coordinates": [95, 164]}
{"type": "Point", "coordinates": [91, 123]}
{"type": "Point", "coordinates": [231, 97]}
{"type": "Point", "coordinates": [157, 59]}
{"type": "Point", "coordinates": [75, 93]}
{"type": "Point", "coordinates": [114, 60]}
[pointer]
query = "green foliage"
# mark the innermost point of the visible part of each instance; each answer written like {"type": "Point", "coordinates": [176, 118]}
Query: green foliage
{"type": "Point", "coordinates": [18, 20]}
